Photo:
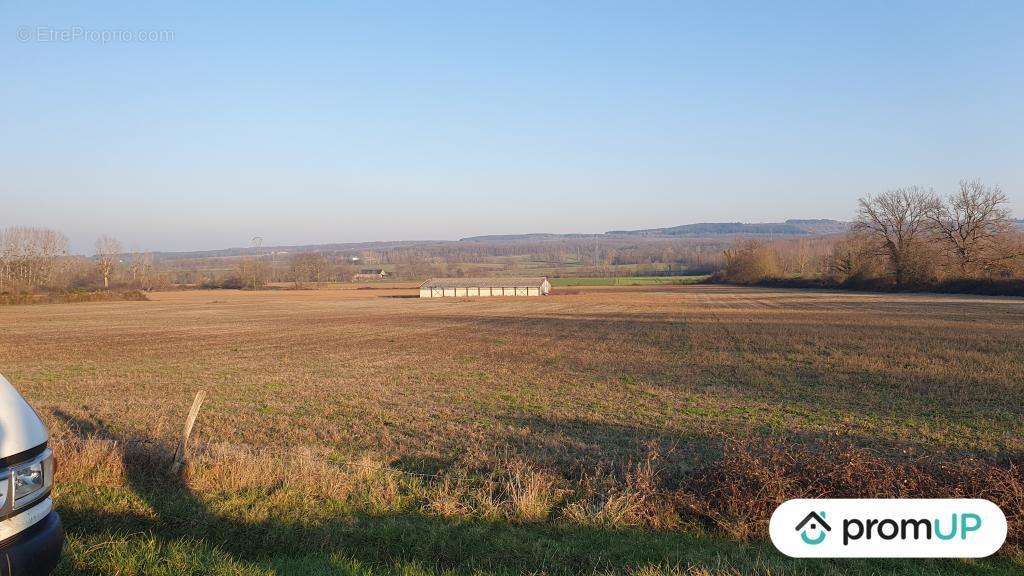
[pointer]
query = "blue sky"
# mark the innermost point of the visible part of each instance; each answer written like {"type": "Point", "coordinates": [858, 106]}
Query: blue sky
{"type": "Point", "coordinates": [329, 123]}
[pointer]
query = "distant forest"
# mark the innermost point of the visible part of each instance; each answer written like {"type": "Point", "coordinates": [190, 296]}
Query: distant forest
{"type": "Point", "coordinates": [908, 238]}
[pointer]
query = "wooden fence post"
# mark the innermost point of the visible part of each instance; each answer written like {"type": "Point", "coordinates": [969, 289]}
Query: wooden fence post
{"type": "Point", "coordinates": [179, 454]}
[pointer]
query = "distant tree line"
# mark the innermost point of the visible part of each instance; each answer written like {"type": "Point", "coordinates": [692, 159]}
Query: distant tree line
{"type": "Point", "coordinates": [34, 260]}
{"type": "Point", "coordinates": [30, 257]}
{"type": "Point", "coordinates": [416, 262]}
{"type": "Point", "coordinates": [906, 238]}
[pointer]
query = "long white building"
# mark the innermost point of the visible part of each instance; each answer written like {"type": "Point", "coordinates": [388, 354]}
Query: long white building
{"type": "Point", "coordinates": [471, 287]}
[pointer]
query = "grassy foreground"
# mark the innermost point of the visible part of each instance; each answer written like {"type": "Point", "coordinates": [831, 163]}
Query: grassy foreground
{"type": "Point", "coordinates": [231, 514]}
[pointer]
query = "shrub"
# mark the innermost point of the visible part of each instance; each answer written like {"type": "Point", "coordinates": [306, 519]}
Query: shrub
{"type": "Point", "coordinates": [738, 492]}
{"type": "Point", "coordinates": [750, 261]}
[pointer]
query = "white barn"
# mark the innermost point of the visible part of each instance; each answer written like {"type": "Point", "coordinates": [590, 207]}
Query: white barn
{"type": "Point", "coordinates": [498, 286]}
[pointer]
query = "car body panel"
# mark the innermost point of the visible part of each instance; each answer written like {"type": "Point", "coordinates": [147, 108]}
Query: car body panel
{"type": "Point", "coordinates": [34, 551]}
{"type": "Point", "coordinates": [21, 429]}
{"type": "Point", "coordinates": [31, 535]}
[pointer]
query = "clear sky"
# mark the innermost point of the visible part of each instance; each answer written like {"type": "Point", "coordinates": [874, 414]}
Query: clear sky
{"type": "Point", "coordinates": [374, 121]}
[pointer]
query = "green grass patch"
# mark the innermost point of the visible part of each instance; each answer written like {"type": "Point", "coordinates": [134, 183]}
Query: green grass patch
{"type": "Point", "coordinates": [170, 531]}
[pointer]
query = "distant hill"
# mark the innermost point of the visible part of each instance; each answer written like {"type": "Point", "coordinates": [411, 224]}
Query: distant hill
{"type": "Point", "coordinates": [353, 247]}
{"type": "Point", "coordinates": [717, 229]}
{"type": "Point", "coordinates": [821, 225]}
{"type": "Point", "coordinates": [525, 237]}
{"type": "Point", "coordinates": [792, 227]}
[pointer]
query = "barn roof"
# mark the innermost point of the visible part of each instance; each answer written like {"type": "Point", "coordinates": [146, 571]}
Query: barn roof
{"type": "Point", "coordinates": [494, 282]}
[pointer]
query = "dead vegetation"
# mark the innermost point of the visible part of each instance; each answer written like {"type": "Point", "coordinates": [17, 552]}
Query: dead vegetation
{"type": "Point", "coordinates": [739, 491]}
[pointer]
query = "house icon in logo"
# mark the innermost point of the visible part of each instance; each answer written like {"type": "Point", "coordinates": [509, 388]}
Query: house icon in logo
{"type": "Point", "coordinates": [817, 524]}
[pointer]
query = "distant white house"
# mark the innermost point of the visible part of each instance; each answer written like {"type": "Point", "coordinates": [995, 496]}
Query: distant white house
{"type": "Point", "coordinates": [370, 274]}
{"type": "Point", "coordinates": [497, 286]}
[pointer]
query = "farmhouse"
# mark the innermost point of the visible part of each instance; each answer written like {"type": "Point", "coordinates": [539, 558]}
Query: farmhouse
{"type": "Point", "coordinates": [457, 287]}
{"type": "Point", "coordinates": [370, 274]}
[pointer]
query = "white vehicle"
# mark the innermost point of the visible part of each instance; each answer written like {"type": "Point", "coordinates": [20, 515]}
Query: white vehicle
{"type": "Point", "coordinates": [31, 536]}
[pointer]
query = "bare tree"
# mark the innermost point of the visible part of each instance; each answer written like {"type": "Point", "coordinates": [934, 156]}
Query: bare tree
{"type": "Point", "coordinates": [853, 259]}
{"type": "Point", "coordinates": [897, 223]}
{"type": "Point", "coordinates": [308, 267]}
{"type": "Point", "coordinates": [142, 268]}
{"type": "Point", "coordinates": [249, 274]}
{"type": "Point", "coordinates": [107, 251]}
{"type": "Point", "coordinates": [29, 257]}
{"type": "Point", "coordinates": [973, 224]}
{"type": "Point", "coordinates": [803, 257]}
{"type": "Point", "coordinates": [750, 261]}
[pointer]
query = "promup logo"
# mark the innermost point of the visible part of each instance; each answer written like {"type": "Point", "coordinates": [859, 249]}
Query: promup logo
{"type": "Point", "coordinates": [817, 524]}
{"type": "Point", "coordinates": [896, 528]}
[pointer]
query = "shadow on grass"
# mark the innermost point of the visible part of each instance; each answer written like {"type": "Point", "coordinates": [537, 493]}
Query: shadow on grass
{"type": "Point", "coordinates": [577, 445]}
{"type": "Point", "coordinates": [341, 541]}
{"type": "Point", "coordinates": [387, 542]}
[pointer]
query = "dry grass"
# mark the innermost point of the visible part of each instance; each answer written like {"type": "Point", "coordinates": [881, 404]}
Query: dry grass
{"type": "Point", "coordinates": [608, 407]}
{"type": "Point", "coordinates": [589, 376]}
{"type": "Point", "coordinates": [249, 492]}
